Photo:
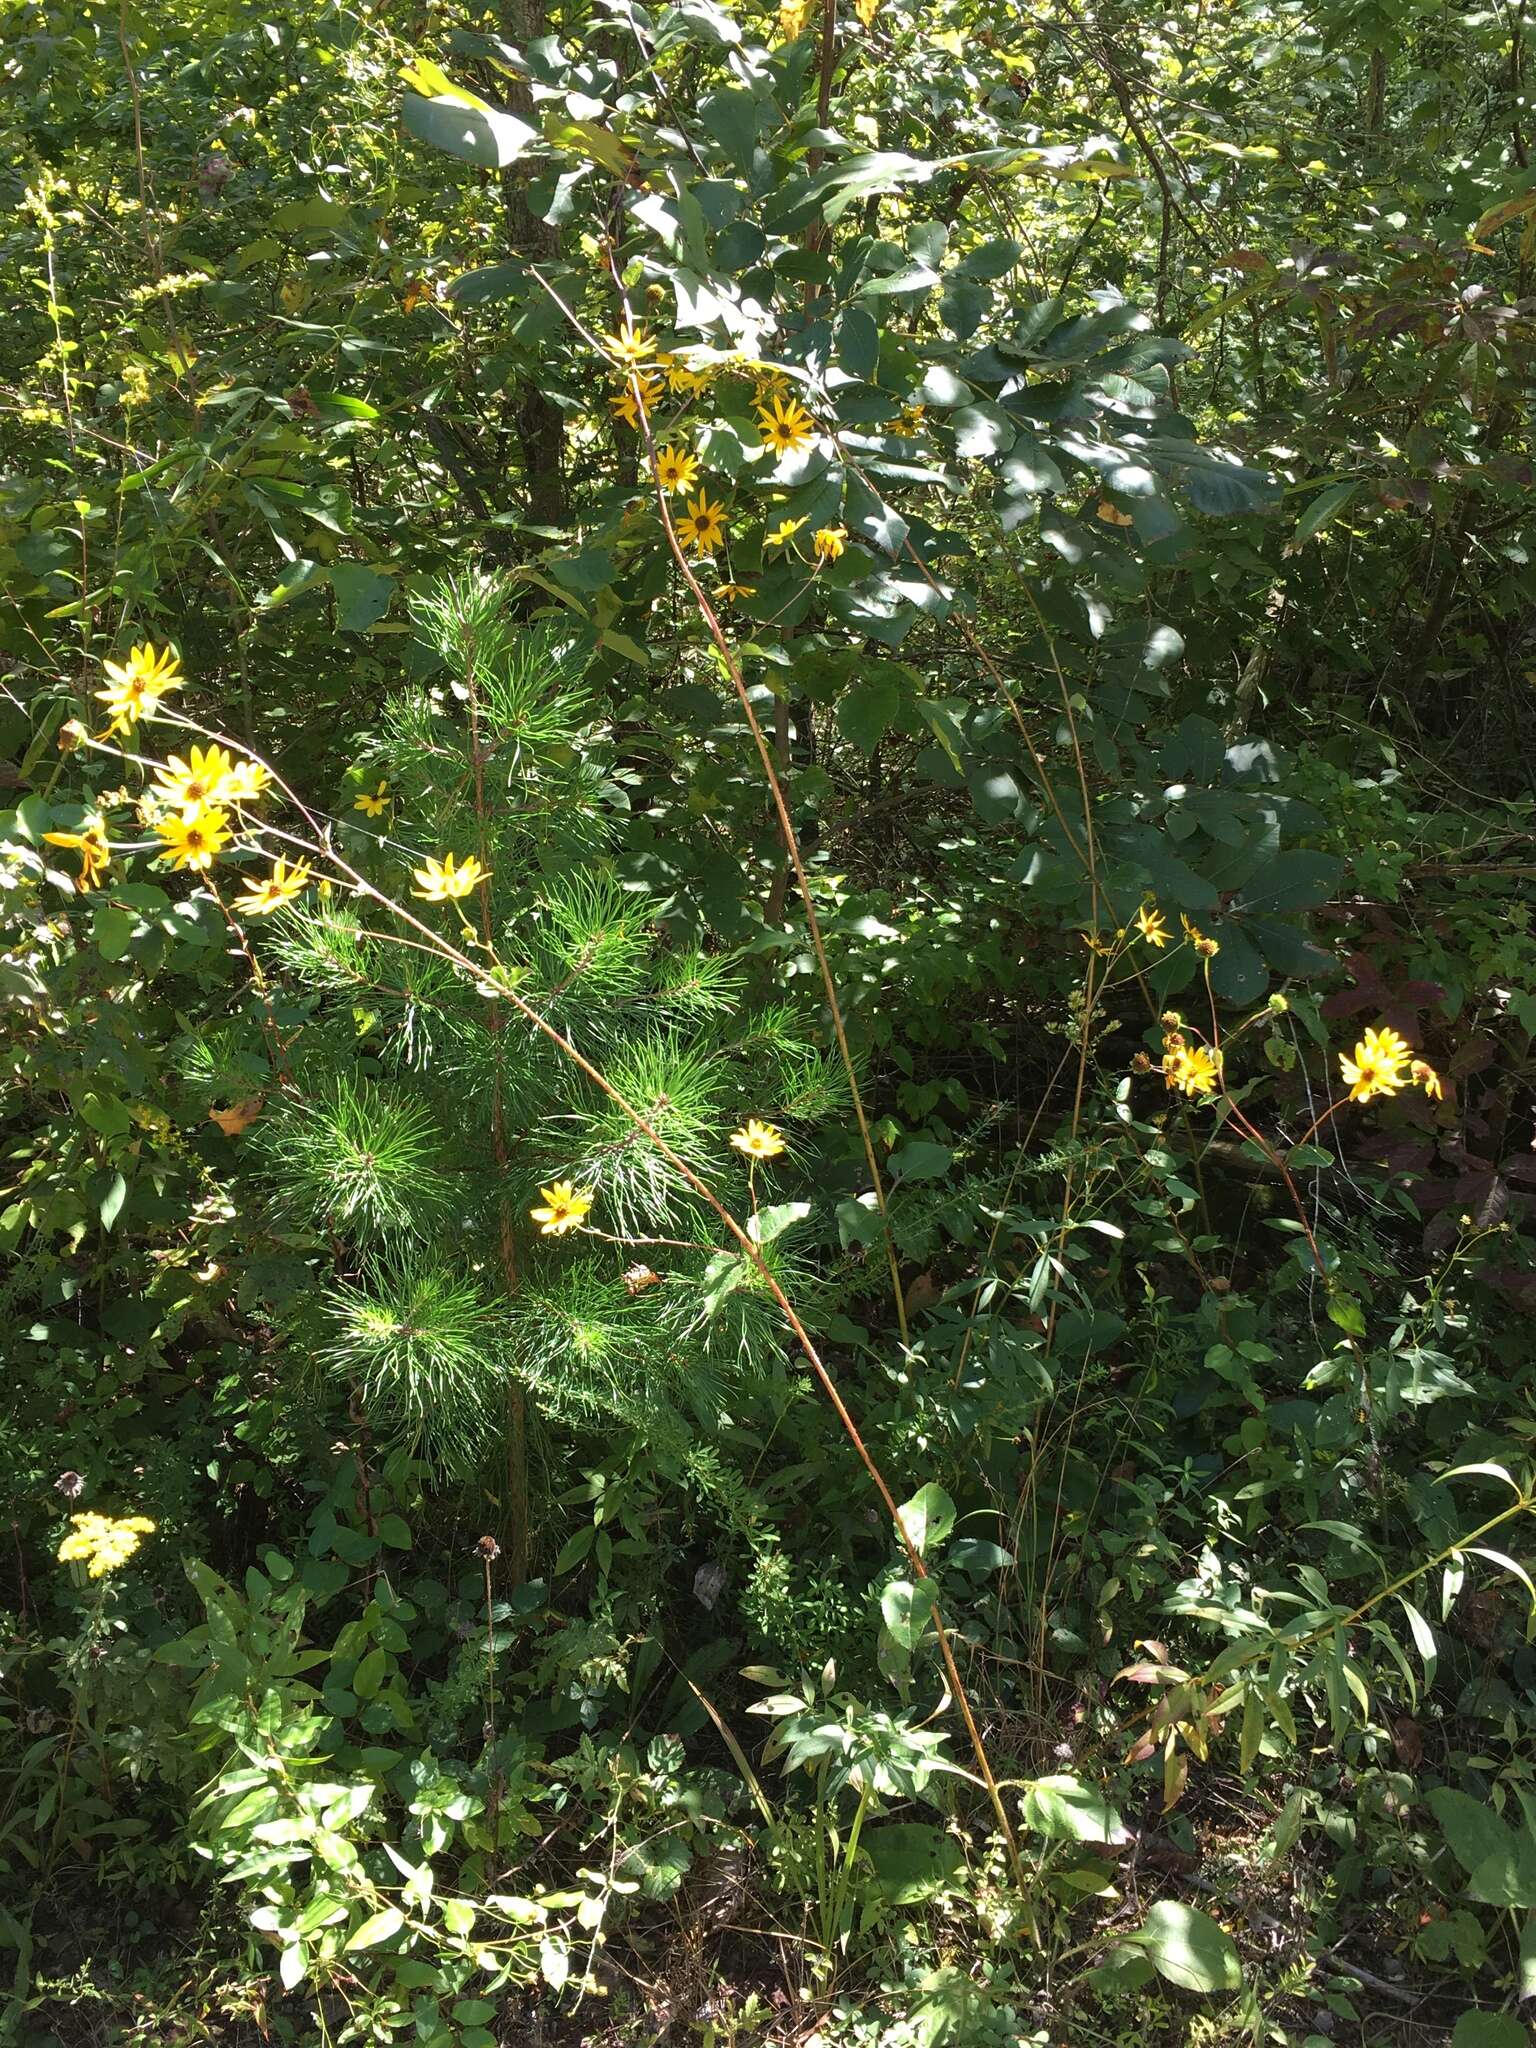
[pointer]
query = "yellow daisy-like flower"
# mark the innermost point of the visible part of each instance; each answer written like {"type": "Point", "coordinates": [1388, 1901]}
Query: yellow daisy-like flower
{"type": "Point", "coordinates": [193, 839]}
{"type": "Point", "coordinates": [909, 421]}
{"type": "Point", "coordinates": [689, 383]}
{"type": "Point", "coordinates": [1428, 1080]}
{"type": "Point", "coordinates": [783, 533]}
{"type": "Point", "coordinates": [758, 1139]}
{"type": "Point", "coordinates": [623, 404]}
{"type": "Point", "coordinates": [246, 783]}
{"type": "Point", "coordinates": [631, 348]}
{"type": "Point", "coordinates": [102, 1543]}
{"type": "Point", "coordinates": [676, 469]}
{"type": "Point", "coordinates": [1151, 925]}
{"type": "Point", "coordinates": [373, 802]}
{"type": "Point", "coordinates": [90, 842]}
{"type": "Point", "coordinates": [197, 781]}
{"type": "Point", "coordinates": [828, 542]}
{"type": "Point", "coordinates": [866, 10]}
{"type": "Point", "coordinates": [785, 425]}
{"type": "Point", "coordinates": [260, 899]}
{"type": "Point", "coordinates": [1096, 945]}
{"type": "Point", "coordinates": [729, 592]}
{"type": "Point", "coordinates": [442, 882]}
{"type": "Point", "coordinates": [135, 687]}
{"type": "Point", "coordinates": [564, 1208]}
{"type": "Point", "coordinates": [794, 18]}
{"type": "Point", "coordinates": [1207, 948]}
{"type": "Point", "coordinates": [1192, 1069]}
{"type": "Point", "coordinates": [1379, 1065]}
{"type": "Point", "coordinates": [703, 527]}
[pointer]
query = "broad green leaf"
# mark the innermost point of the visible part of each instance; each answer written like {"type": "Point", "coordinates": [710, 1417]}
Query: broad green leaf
{"type": "Point", "coordinates": [1068, 1810]}
{"type": "Point", "coordinates": [1189, 1948]}
{"type": "Point", "coordinates": [478, 134]}
{"type": "Point", "coordinates": [913, 1861]}
{"type": "Point", "coordinates": [381, 1926]}
{"type": "Point", "coordinates": [927, 1518]}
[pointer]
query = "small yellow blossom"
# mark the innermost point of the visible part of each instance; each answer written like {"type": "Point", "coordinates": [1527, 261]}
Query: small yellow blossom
{"type": "Point", "coordinates": [729, 592]}
{"type": "Point", "coordinates": [703, 526]}
{"type": "Point", "coordinates": [1192, 1069]}
{"type": "Point", "coordinates": [676, 469]}
{"type": "Point", "coordinates": [827, 542]}
{"type": "Point", "coordinates": [624, 407]}
{"type": "Point", "coordinates": [259, 899]}
{"type": "Point", "coordinates": [441, 881]}
{"type": "Point", "coordinates": [90, 842]}
{"type": "Point", "coordinates": [909, 421]}
{"type": "Point", "coordinates": [199, 780]}
{"type": "Point", "coordinates": [866, 10]}
{"type": "Point", "coordinates": [373, 802]}
{"type": "Point", "coordinates": [1096, 945]}
{"type": "Point", "coordinates": [689, 383]}
{"type": "Point", "coordinates": [135, 687]}
{"type": "Point", "coordinates": [1379, 1065]}
{"type": "Point", "coordinates": [758, 1140]}
{"type": "Point", "coordinates": [194, 838]}
{"type": "Point", "coordinates": [1428, 1080]}
{"type": "Point", "coordinates": [794, 18]}
{"type": "Point", "coordinates": [785, 425]}
{"type": "Point", "coordinates": [103, 1542]}
{"type": "Point", "coordinates": [1151, 925]}
{"type": "Point", "coordinates": [1208, 948]}
{"type": "Point", "coordinates": [783, 533]}
{"type": "Point", "coordinates": [246, 783]}
{"type": "Point", "coordinates": [565, 1208]}
{"type": "Point", "coordinates": [631, 347]}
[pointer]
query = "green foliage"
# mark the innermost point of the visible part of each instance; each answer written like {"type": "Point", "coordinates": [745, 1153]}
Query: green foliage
{"type": "Point", "coordinates": [1138, 630]}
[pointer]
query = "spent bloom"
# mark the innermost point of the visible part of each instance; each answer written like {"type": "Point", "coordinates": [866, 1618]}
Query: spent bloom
{"type": "Point", "coordinates": [103, 1542]}
{"type": "Point", "coordinates": [90, 842]}
{"type": "Point", "coordinates": [135, 686]}
{"type": "Point", "coordinates": [1428, 1080]}
{"type": "Point", "coordinates": [564, 1208]}
{"type": "Point", "coordinates": [1379, 1065]}
{"type": "Point", "coordinates": [758, 1140]}
{"type": "Point", "coordinates": [441, 881]}
{"type": "Point", "coordinates": [827, 542]}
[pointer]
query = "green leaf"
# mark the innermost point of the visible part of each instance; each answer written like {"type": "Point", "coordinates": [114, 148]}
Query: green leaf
{"type": "Point", "coordinates": [479, 135]}
{"type": "Point", "coordinates": [1500, 1865]}
{"type": "Point", "coordinates": [920, 1159]}
{"type": "Point", "coordinates": [362, 596]}
{"type": "Point", "coordinates": [1067, 1810]}
{"type": "Point", "coordinates": [395, 1531]}
{"type": "Point", "coordinates": [866, 712]}
{"type": "Point", "coordinates": [112, 1201]}
{"type": "Point", "coordinates": [112, 929]}
{"type": "Point", "coordinates": [905, 1606]}
{"type": "Point", "coordinates": [732, 119]}
{"type": "Point", "coordinates": [913, 1861]}
{"type": "Point", "coordinates": [1478, 2029]}
{"type": "Point", "coordinates": [1189, 1949]}
{"type": "Point", "coordinates": [382, 1926]}
{"type": "Point", "coordinates": [104, 1113]}
{"type": "Point", "coordinates": [1325, 506]}
{"type": "Point", "coordinates": [927, 1518]}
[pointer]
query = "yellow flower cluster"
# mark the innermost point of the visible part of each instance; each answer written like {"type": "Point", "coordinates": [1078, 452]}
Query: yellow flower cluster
{"type": "Point", "coordinates": [564, 1206]}
{"type": "Point", "coordinates": [103, 1542]}
{"type": "Point", "coordinates": [1194, 1070]}
{"type": "Point", "coordinates": [1383, 1064]}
